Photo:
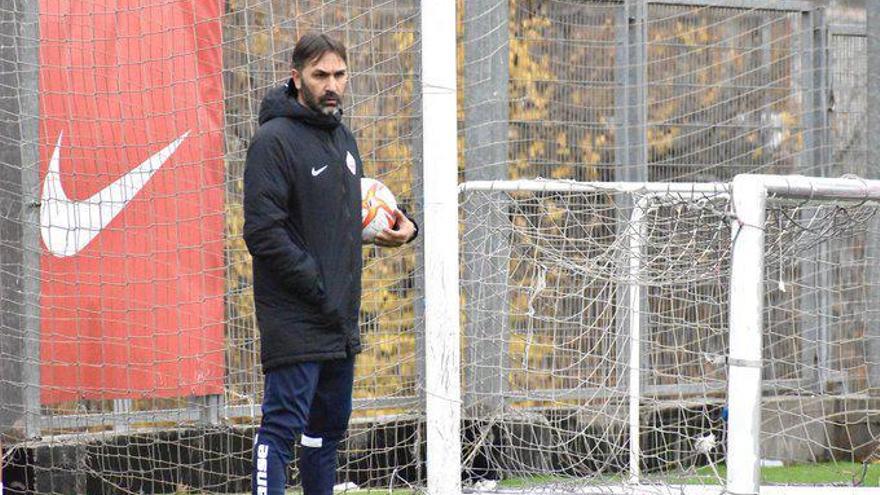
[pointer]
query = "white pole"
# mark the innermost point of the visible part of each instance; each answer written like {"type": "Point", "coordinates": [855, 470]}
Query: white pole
{"type": "Point", "coordinates": [636, 236]}
{"type": "Point", "coordinates": [746, 328]}
{"type": "Point", "coordinates": [658, 188]}
{"type": "Point", "coordinates": [440, 174]}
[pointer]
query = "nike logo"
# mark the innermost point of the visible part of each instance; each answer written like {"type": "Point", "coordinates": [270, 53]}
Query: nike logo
{"type": "Point", "coordinates": [316, 173]}
{"type": "Point", "coordinates": [68, 226]}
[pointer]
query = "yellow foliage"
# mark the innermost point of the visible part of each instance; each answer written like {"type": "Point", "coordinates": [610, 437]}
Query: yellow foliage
{"type": "Point", "coordinates": [562, 171]}
{"type": "Point", "coordinates": [259, 43]}
{"type": "Point", "coordinates": [536, 148]}
{"type": "Point", "coordinates": [757, 153]}
{"type": "Point", "coordinates": [562, 145]}
{"type": "Point", "coordinates": [709, 96]}
{"type": "Point", "coordinates": [405, 40]}
{"type": "Point", "coordinates": [661, 142]}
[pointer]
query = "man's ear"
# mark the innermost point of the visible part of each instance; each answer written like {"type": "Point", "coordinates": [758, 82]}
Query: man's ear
{"type": "Point", "coordinates": [297, 79]}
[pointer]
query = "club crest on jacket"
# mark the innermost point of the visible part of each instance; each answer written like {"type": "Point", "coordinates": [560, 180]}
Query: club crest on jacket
{"type": "Point", "coordinates": [352, 164]}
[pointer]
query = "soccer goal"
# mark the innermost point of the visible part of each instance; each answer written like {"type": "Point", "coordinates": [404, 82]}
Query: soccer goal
{"type": "Point", "coordinates": [666, 338]}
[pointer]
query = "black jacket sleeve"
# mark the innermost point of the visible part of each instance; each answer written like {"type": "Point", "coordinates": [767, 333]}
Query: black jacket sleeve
{"type": "Point", "coordinates": [267, 185]}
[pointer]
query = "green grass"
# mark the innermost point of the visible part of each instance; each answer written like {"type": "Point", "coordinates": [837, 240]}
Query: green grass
{"type": "Point", "coordinates": [829, 473]}
{"type": "Point", "coordinates": [367, 491]}
{"type": "Point", "coordinates": [536, 480]}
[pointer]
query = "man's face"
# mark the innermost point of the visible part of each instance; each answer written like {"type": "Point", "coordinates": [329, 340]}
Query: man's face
{"type": "Point", "coordinates": [321, 83]}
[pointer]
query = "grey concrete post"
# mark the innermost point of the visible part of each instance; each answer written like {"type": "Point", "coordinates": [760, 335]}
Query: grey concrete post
{"type": "Point", "coordinates": [19, 245]}
{"type": "Point", "coordinates": [486, 76]}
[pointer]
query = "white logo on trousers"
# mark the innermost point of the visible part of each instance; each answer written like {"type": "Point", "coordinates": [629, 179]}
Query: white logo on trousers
{"type": "Point", "coordinates": [262, 469]}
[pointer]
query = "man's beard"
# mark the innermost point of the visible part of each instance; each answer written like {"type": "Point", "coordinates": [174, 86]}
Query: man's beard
{"type": "Point", "coordinates": [317, 104]}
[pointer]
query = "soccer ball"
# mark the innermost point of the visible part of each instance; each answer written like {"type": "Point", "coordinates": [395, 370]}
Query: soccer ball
{"type": "Point", "coordinates": [377, 208]}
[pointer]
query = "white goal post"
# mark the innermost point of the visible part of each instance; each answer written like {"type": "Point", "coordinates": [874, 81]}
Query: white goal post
{"type": "Point", "coordinates": [749, 198]}
{"type": "Point", "coordinates": [745, 200]}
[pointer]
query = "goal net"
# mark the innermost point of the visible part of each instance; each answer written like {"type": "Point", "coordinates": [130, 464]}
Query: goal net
{"type": "Point", "coordinates": [597, 327]}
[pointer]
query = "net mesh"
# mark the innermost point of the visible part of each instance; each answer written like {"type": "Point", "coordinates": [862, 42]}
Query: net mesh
{"type": "Point", "coordinates": [727, 90]}
{"type": "Point", "coordinates": [156, 403]}
{"type": "Point", "coordinates": [558, 412]}
{"type": "Point", "coordinates": [132, 365]}
{"type": "Point", "coordinates": [382, 39]}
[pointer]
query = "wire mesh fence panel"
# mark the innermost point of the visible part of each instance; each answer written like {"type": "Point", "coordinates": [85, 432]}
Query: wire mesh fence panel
{"type": "Point", "coordinates": [727, 89]}
{"type": "Point", "coordinates": [561, 89]}
{"type": "Point", "coordinates": [130, 350]}
{"type": "Point", "coordinates": [723, 92]}
{"type": "Point", "coordinates": [849, 81]}
{"type": "Point", "coordinates": [148, 342]}
{"type": "Point", "coordinates": [382, 39]}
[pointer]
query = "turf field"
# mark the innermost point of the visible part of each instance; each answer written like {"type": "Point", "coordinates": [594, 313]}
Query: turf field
{"type": "Point", "coordinates": [830, 474]}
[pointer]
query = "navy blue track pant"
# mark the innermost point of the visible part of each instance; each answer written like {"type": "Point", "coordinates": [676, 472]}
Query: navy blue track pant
{"type": "Point", "coordinates": [308, 399]}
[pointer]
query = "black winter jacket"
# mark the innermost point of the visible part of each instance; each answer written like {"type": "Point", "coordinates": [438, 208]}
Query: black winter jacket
{"type": "Point", "coordinates": [302, 227]}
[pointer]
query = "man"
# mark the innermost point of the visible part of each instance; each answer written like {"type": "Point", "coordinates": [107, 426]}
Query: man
{"type": "Point", "coordinates": [303, 229]}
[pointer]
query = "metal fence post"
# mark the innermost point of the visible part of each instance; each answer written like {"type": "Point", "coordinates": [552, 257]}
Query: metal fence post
{"type": "Point", "coordinates": [816, 160]}
{"type": "Point", "coordinates": [631, 97]}
{"type": "Point", "coordinates": [872, 255]}
{"type": "Point", "coordinates": [208, 408]}
{"type": "Point", "coordinates": [121, 415]}
{"type": "Point", "coordinates": [418, 185]}
{"type": "Point", "coordinates": [631, 155]}
{"type": "Point", "coordinates": [19, 255]}
{"type": "Point", "coordinates": [486, 76]}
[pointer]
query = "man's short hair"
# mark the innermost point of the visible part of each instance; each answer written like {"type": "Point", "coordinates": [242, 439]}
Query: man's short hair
{"type": "Point", "coordinates": [313, 46]}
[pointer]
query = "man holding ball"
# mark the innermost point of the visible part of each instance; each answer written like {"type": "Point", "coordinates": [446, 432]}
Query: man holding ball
{"type": "Point", "coordinates": [302, 204]}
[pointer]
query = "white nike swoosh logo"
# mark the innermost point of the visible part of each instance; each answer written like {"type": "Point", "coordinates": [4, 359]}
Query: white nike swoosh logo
{"type": "Point", "coordinates": [316, 173]}
{"type": "Point", "coordinates": [68, 226]}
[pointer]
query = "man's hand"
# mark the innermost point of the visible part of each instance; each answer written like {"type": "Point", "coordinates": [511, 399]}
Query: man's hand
{"type": "Point", "coordinates": [402, 232]}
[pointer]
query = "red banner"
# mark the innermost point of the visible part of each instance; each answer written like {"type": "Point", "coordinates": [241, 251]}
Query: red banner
{"type": "Point", "coordinates": [131, 198]}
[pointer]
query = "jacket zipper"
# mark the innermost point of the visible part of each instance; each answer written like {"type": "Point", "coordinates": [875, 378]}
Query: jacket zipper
{"type": "Point", "coordinates": [342, 157]}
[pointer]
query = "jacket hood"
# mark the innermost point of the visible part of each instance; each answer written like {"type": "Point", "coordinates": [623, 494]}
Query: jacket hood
{"type": "Point", "coordinates": [281, 102]}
